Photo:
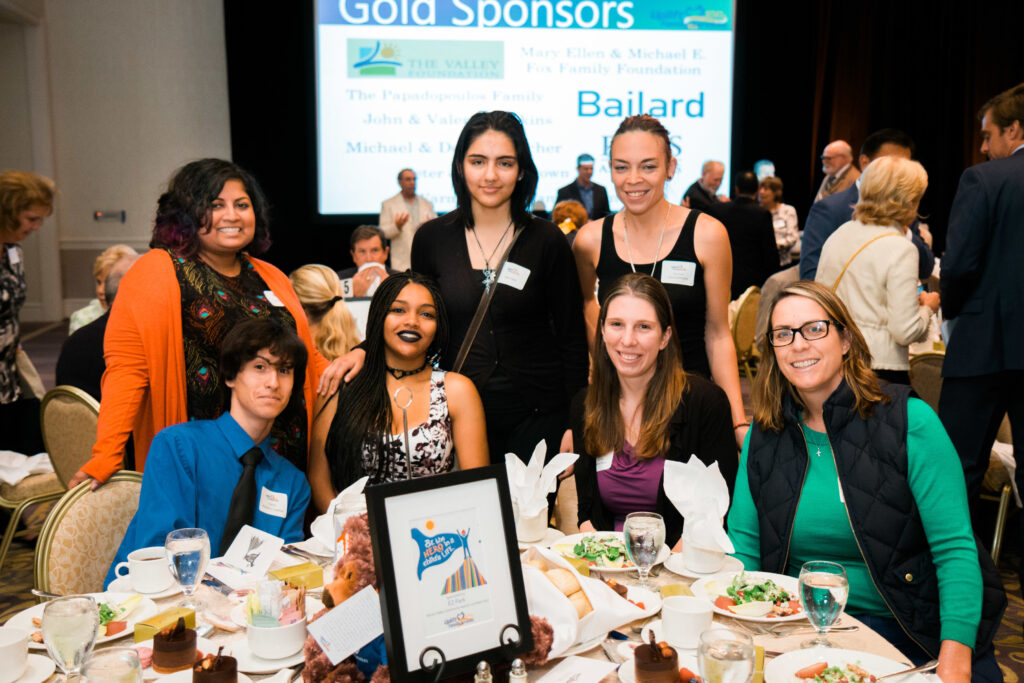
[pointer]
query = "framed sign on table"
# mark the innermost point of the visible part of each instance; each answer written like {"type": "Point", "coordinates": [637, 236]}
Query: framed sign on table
{"type": "Point", "coordinates": [450, 581]}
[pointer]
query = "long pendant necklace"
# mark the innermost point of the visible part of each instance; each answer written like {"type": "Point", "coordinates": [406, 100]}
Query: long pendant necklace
{"type": "Point", "coordinates": [489, 273]}
{"type": "Point", "coordinates": [629, 252]}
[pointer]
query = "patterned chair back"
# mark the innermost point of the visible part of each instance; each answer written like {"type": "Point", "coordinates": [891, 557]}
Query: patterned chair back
{"type": "Point", "coordinates": [68, 417]}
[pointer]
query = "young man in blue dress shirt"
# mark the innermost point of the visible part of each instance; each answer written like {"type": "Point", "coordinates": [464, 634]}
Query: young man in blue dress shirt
{"type": "Point", "coordinates": [193, 468]}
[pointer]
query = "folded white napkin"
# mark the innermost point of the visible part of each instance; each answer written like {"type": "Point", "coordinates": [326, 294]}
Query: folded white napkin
{"type": "Point", "coordinates": [531, 484]}
{"type": "Point", "coordinates": [351, 501]}
{"type": "Point", "coordinates": [701, 495]}
{"type": "Point", "coordinates": [16, 466]}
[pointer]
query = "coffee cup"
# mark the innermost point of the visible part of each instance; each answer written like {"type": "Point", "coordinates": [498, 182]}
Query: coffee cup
{"type": "Point", "coordinates": [13, 653]}
{"type": "Point", "coordinates": [683, 619]}
{"type": "Point", "coordinates": [147, 570]}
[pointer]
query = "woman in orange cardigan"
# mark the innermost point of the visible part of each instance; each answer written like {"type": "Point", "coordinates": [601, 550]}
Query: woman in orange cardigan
{"type": "Point", "coordinates": [175, 306]}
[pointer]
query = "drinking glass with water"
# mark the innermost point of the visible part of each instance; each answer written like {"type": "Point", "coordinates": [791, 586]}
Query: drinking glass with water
{"type": "Point", "coordinates": [69, 627]}
{"type": "Point", "coordinates": [824, 590]}
{"type": "Point", "coordinates": [188, 553]}
{"type": "Point", "coordinates": [643, 535]}
{"type": "Point", "coordinates": [725, 656]}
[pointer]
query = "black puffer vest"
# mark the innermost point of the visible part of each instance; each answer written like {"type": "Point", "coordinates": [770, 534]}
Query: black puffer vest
{"type": "Point", "coordinates": [871, 461]}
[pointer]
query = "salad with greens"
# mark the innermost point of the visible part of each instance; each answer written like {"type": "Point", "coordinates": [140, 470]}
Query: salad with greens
{"type": "Point", "coordinates": [848, 673]}
{"type": "Point", "coordinates": [601, 551]}
{"type": "Point", "coordinates": [744, 590]}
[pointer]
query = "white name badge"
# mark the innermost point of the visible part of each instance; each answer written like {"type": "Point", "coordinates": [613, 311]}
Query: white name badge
{"type": "Point", "coordinates": [272, 298]}
{"type": "Point", "coordinates": [604, 462]}
{"type": "Point", "coordinates": [273, 503]}
{"type": "Point", "coordinates": [13, 255]}
{"type": "Point", "coordinates": [514, 275]}
{"type": "Point", "coordinates": [678, 272]}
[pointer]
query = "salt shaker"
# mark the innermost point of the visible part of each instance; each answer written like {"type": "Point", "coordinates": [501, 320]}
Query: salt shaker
{"type": "Point", "coordinates": [483, 673]}
{"type": "Point", "coordinates": [518, 672]}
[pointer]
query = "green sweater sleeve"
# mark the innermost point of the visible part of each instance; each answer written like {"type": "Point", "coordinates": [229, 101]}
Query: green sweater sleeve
{"type": "Point", "coordinates": [744, 529]}
{"type": "Point", "coordinates": [937, 482]}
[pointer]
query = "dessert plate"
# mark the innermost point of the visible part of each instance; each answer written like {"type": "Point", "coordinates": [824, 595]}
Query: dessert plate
{"type": "Point", "coordinates": [207, 647]}
{"type": "Point", "coordinates": [627, 670]}
{"type": "Point", "coordinates": [675, 565]}
{"type": "Point", "coordinates": [186, 677]}
{"type": "Point", "coordinates": [38, 670]}
{"type": "Point", "coordinates": [144, 610]}
{"type": "Point", "coordinates": [788, 583]}
{"type": "Point", "coordinates": [660, 635]}
{"type": "Point", "coordinates": [782, 668]}
{"type": "Point", "coordinates": [564, 546]}
{"type": "Point", "coordinates": [251, 664]}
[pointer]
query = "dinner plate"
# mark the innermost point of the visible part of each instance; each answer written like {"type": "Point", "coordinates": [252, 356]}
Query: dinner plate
{"type": "Point", "coordinates": [186, 677]}
{"type": "Point", "coordinates": [627, 670]}
{"type": "Point", "coordinates": [123, 584]}
{"type": "Point", "coordinates": [207, 647]}
{"type": "Point", "coordinates": [650, 599]}
{"type": "Point", "coordinates": [585, 646]}
{"type": "Point", "coordinates": [144, 610]}
{"type": "Point", "coordinates": [675, 565]}
{"type": "Point", "coordinates": [38, 670]}
{"type": "Point", "coordinates": [782, 668]}
{"type": "Point", "coordinates": [314, 546]}
{"type": "Point", "coordinates": [550, 536]}
{"type": "Point", "coordinates": [559, 546]}
{"type": "Point", "coordinates": [251, 664]}
{"type": "Point", "coordinates": [787, 583]}
{"type": "Point", "coordinates": [313, 605]}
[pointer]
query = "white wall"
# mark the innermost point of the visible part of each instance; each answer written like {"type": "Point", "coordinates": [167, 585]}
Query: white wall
{"type": "Point", "coordinates": [132, 90]}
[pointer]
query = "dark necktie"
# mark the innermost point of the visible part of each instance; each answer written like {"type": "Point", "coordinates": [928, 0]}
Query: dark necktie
{"type": "Point", "coordinates": [830, 183]}
{"type": "Point", "coordinates": [243, 500]}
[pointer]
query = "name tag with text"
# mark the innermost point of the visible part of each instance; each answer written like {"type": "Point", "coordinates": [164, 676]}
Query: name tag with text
{"type": "Point", "coordinates": [273, 503]}
{"type": "Point", "coordinates": [678, 273]}
{"type": "Point", "coordinates": [514, 275]}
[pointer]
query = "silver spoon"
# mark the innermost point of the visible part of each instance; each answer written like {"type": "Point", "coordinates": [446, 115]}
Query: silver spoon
{"type": "Point", "coordinates": [929, 666]}
{"type": "Point", "coordinates": [45, 594]}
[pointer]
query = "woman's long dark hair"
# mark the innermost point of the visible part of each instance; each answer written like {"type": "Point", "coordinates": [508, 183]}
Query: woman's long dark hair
{"type": "Point", "coordinates": [184, 210]}
{"type": "Point", "coordinates": [509, 124]}
{"type": "Point", "coordinates": [363, 416]}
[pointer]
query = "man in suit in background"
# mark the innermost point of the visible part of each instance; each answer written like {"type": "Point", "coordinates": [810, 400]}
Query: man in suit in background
{"type": "Point", "coordinates": [826, 216]}
{"type": "Point", "coordinates": [592, 196]}
{"type": "Point", "coordinates": [751, 235]}
{"type": "Point", "coordinates": [983, 294]}
{"type": "Point", "coordinates": [840, 173]}
{"type": "Point", "coordinates": [701, 195]}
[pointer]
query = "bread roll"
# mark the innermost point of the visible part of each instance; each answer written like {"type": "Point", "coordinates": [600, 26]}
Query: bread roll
{"type": "Point", "coordinates": [564, 580]}
{"type": "Point", "coordinates": [580, 602]}
{"type": "Point", "coordinates": [539, 564]}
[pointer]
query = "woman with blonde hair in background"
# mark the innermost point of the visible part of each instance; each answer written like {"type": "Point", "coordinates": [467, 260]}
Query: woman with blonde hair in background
{"type": "Point", "coordinates": [100, 269]}
{"type": "Point", "coordinates": [331, 325]}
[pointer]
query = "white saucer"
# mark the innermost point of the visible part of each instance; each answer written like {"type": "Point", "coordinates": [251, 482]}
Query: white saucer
{"type": "Point", "coordinates": [550, 536]}
{"type": "Point", "coordinates": [251, 664]}
{"type": "Point", "coordinates": [659, 635]}
{"type": "Point", "coordinates": [627, 671]}
{"type": "Point", "coordinates": [675, 565]}
{"type": "Point", "coordinates": [186, 677]}
{"type": "Point", "coordinates": [38, 670]}
{"type": "Point", "coordinates": [123, 584]}
{"type": "Point", "coordinates": [207, 647]}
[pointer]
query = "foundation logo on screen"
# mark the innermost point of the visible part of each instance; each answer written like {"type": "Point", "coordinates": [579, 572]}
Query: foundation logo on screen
{"type": "Point", "coordinates": [478, 59]}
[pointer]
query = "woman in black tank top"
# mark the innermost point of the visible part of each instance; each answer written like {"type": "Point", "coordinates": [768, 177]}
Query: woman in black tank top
{"type": "Point", "coordinates": [684, 250]}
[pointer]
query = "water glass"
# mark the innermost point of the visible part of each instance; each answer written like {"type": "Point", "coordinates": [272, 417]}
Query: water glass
{"type": "Point", "coordinates": [824, 589]}
{"type": "Point", "coordinates": [69, 627]}
{"type": "Point", "coordinates": [114, 665]}
{"type": "Point", "coordinates": [643, 534]}
{"type": "Point", "coordinates": [188, 553]}
{"type": "Point", "coordinates": [725, 656]}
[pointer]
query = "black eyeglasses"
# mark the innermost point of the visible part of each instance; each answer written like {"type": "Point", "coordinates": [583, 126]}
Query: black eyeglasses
{"type": "Point", "coordinates": [815, 329]}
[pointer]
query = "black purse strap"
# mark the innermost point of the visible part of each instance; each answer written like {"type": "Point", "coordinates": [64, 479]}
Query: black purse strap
{"type": "Point", "coordinates": [481, 308]}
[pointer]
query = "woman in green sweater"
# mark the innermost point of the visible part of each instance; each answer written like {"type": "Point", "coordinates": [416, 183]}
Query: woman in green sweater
{"type": "Point", "coordinates": [837, 467]}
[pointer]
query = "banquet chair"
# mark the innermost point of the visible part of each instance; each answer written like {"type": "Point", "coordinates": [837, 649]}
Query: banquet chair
{"type": "Point", "coordinates": [68, 418]}
{"type": "Point", "coordinates": [926, 376]}
{"type": "Point", "coordinates": [32, 490]}
{"type": "Point", "coordinates": [744, 327]}
{"type": "Point", "coordinates": [566, 506]}
{"type": "Point", "coordinates": [82, 534]}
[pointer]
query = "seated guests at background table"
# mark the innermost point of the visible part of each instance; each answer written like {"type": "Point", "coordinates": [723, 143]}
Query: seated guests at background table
{"type": "Point", "coordinates": [221, 474]}
{"type": "Point", "coordinates": [100, 269]}
{"type": "Point", "coordinates": [569, 216]}
{"type": "Point", "coordinates": [640, 410]}
{"type": "Point", "coordinates": [80, 363]}
{"type": "Point", "coordinates": [592, 196]}
{"type": "Point", "coordinates": [839, 468]}
{"type": "Point", "coordinates": [402, 215]}
{"type": "Point", "coordinates": [359, 431]}
{"type": "Point", "coordinates": [827, 215]}
{"type": "Point", "coordinates": [331, 325]}
{"type": "Point", "coordinates": [751, 236]}
{"type": "Point", "coordinates": [837, 164]}
{"type": "Point", "coordinates": [174, 308]}
{"type": "Point", "coordinates": [689, 253]}
{"type": "Point", "coordinates": [701, 194]}
{"type": "Point", "coordinates": [370, 255]}
{"type": "Point", "coordinates": [784, 219]}
{"type": "Point", "coordinates": [872, 266]}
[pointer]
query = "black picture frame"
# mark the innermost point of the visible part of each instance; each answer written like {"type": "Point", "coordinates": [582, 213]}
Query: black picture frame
{"type": "Point", "coordinates": [510, 637]}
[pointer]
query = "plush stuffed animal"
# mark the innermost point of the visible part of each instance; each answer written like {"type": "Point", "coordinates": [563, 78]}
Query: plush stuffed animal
{"type": "Point", "coordinates": [356, 570]}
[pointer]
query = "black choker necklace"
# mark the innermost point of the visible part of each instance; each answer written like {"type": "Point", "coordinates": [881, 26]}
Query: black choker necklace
{"type": "Point", "coordinates": [399, 374]}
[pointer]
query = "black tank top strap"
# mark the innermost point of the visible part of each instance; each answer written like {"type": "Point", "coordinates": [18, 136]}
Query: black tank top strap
{"type": "Point", "coordinates": [608, 254]}
{"type": "Point", "coordinates": [683, 248]}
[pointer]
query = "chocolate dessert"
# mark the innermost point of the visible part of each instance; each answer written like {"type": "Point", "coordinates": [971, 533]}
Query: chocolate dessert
{"type": "Point", "coordinates": [656, 662]}
{"type": "Point", "coordinates": [174, 648]}
{"type": "Point", "coordinates": [216, 668]}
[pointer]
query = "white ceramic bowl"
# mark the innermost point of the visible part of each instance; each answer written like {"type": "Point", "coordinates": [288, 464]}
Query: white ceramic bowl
{"type": "Point", "coordinates": [276, 642]}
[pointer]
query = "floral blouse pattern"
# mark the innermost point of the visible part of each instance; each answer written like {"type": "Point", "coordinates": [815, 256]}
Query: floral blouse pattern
{"type": "Point", "coordinates": [12, 298]}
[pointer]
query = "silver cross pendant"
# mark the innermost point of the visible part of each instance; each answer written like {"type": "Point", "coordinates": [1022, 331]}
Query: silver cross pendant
{"type": "Point", "coordinates": [488, 278]}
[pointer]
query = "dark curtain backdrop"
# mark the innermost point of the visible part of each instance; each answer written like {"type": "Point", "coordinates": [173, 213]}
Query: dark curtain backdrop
{"type": "Point", "coordinates": [806, 73]}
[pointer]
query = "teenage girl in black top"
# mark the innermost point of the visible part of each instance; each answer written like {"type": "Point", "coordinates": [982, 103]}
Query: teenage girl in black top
{"type": "Point", "coordinates": [687, 251]}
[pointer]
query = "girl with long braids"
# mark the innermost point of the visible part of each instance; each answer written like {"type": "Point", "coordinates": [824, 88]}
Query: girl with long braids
{"type": "Point", "coordinates": [359, 430]}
